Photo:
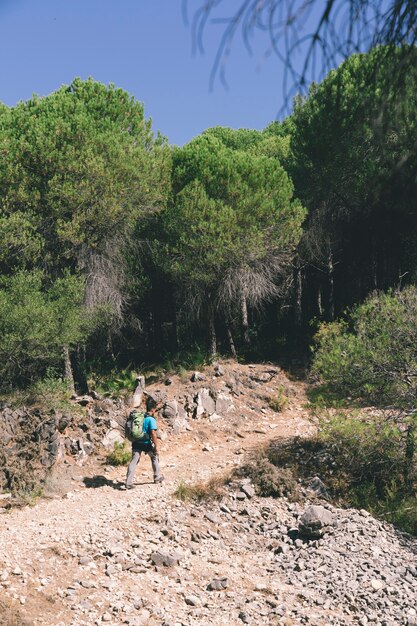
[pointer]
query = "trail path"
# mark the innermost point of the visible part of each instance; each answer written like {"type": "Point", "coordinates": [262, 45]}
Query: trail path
{"type": "Point", "coordinates": [96, 554]}
{"type": "Point", "coordinates": [84, 558]}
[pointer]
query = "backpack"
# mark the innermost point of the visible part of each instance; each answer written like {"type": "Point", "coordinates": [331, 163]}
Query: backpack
{"type": "Point", "coordinates": [134, 426]}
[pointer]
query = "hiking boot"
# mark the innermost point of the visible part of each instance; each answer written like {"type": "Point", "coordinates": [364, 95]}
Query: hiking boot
{"type": "Point", "coordinates": [158, 479]}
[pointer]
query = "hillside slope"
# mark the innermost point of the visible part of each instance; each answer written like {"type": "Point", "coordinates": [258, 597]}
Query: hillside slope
{"type": "Point", "coordinates": [99, 554]}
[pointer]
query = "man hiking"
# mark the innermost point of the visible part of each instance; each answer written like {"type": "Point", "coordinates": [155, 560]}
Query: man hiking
{"type": "Point", "coordinates": [146, 442]}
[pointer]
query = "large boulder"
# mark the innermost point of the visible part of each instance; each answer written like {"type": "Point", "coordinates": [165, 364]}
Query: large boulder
{"type": "Point", "coordinates": [205, 404]}
{"type": "Point", "coordinates": [315, 522]}
{"type": "Point", "coordinates": [175, 415]}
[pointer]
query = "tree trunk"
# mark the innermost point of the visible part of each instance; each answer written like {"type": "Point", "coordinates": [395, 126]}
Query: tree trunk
{"type": "Point", "coordinates": [319, 303]}
{"type": "Point", "coordinates": [245, 323]}
{"type": "Point", "coordinates": [175, 342]}
{"type": "Point", "coordinates": [68, 373]}
{"type": "Point", "coordinates": [330, 269]}
{"type": "Point", "coordinates": [78, 367]}
{"type": "Point", "coordinates": [298, 299]}
{"type": "Point", "coordinates": [231, 342]}
{"type": "Point", "coordinates": [156, 320]}
{"type": "Point", "coordinates": [212, 332]}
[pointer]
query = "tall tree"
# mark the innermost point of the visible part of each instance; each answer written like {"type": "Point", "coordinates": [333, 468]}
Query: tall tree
{"type": "Point", "coordinates": [232, 226]}
{"type": "Point", "coordinates": [78, 169]}
{"type": "Point", "coordinates": [355, 166]}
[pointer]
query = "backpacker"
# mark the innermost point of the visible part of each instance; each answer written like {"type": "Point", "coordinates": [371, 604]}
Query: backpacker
{"type": "Point", "coordinates": [134, 426]}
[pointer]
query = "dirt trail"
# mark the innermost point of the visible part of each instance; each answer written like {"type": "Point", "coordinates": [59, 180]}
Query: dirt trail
{"type": "Point", "coordinates": [58, 559]}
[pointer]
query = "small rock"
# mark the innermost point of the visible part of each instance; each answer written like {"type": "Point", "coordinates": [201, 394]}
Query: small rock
{"type": "Point", "coordinates": [377, 584]}
{"type": "Point", "coordinates": [218, 584]}
{"type": "Point", "coordinates": [192, 600]}
{"type": "Point", "coordinates": [161, 559]}
{"type": "Point", "coordinates": [212, 518]}
{"type": "Point", "coordinates": [315, 521]}
{"type": "Point", "coordinates": [248, 490]}
{"type": "Point", "coordinates": [106, 617]}
{"type": "Point", "coordinates": [197, 376]}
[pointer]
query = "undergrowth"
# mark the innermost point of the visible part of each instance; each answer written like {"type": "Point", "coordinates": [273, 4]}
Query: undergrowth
{"type": "Point", "coordinates": [48, 394]}
{"type": "Point", "coordinates": [361, 461]}
{"type": "Point", "coordinates": [120, 455]}
{"type": "Point", "coordinates": [201, 491]}
{"type": "Point", "coordinates": [279, 401]}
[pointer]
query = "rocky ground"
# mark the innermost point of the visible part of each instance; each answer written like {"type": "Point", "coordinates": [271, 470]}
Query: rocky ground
{"type": "Point", "coordinates": [97, 554]}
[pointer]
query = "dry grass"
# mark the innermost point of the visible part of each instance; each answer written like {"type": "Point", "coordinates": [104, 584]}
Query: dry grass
{"type": "Point", "coordinates": [200, 491]}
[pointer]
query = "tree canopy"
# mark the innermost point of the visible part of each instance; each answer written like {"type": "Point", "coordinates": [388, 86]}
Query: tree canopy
{"type": "Point", "coordinates": [233, 223]}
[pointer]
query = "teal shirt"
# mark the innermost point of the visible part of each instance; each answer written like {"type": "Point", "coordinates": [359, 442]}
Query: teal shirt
{"type": "Point", "coordinates": [149, 423]}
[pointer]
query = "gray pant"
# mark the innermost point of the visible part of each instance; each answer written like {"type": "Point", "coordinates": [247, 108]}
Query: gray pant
{"type": "Point", "coordinates": [136, 453]}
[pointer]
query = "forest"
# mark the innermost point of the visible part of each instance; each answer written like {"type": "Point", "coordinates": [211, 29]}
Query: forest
{"type": "Point", "coordinates": [121, 253]}
{"type": "Point", "coordinates": [120, 250]}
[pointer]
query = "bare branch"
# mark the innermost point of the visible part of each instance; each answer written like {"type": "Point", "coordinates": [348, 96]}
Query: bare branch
{"type": "Point", "coordinates": [341, 28]}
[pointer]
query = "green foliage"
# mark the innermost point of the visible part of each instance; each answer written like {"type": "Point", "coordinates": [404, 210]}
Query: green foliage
{"type": "Point", "coordinates": [279, 401]}
{"type": "Point", "coordinates": [353, 163]}
{"type": "Point", "coordinates": [51, 393]}
{"type": "Point", "coordinates": [399, 511]}
{"type": "Point", "coordinates": [231, 226]}
{"type": "Point", "coordinates": [120, 455]}
{"type": "Point", "coordinates": [362, 461]}
{"type": "Point", "coordinates": [187, 360]}
{"type": "Point", "coordinates": [365, 452]}
{"type": "Point", "coordinates": [36, 322]}
{"type": "Point", "coordinates": [367, 464]}
{"type": "Point", "coordinates": [117, 383]}
{"type": "Point", "coordinates": [230, 208]}
{"type": "Point", "coordinates": [74, 166]}
{"type": "Point", "coordinates": [78, 169]}
{"type": "Point", "coordinates": [373, 355]}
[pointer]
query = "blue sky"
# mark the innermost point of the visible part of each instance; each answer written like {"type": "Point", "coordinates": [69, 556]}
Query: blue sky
{"type": "Point", "coordinates": [143, 46]}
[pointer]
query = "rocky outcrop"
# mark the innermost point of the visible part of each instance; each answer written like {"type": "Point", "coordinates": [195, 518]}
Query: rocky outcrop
{"type": "Point", "coordinates": [31, 443]}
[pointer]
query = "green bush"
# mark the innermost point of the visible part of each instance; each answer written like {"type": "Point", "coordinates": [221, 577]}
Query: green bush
{"type": "Point", "coordinates": [51, 393]}
{"type": "Point", "coordinates": [118, 383]}
{"type": "Point", "coordinates": [364, 453]}
{"type": "Point", "coordinates": [120, 455]}
{"type": "Point", "coordinates": [48, 317]}
{"type": "Point", "coordinates": [361, 460]}
{"type": "Point", "coordinates": [372, 356]}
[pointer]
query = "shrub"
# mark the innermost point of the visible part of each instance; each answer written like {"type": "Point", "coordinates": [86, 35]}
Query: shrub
{"type": "Point", "coordinates": [49, 317]}
{"type": "Point", "coordinates": [120, 455]}
{"type": "Point", "coordinates": [118, 384]}
{"type": "Point", "coordinates": [364, 453]}
{"type": "Point", "coordinates": [271, 480]}
{"type": "Point", "coordinates": [51, 393]}
{"type": "Point", "coordinates": [279, 401]}
{"type": "Point", "coordinates": [200, 491]}
{"type": "Point", "coordinates": [373, 354]}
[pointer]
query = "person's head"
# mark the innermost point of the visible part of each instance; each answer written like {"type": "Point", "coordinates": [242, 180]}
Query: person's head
{"type": "Point", "coordinates": [151, 406]}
